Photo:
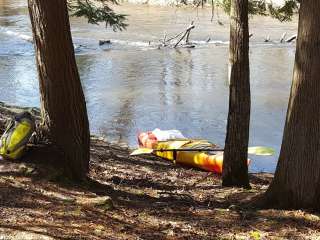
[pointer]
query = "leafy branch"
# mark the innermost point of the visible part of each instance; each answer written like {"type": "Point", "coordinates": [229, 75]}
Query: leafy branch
{"type": "Point", "coordinates": [98, 11]}
{"type": "Point", "coordinates": [285, 12]}
{"type": "Point", "coordinates": [264, 8]}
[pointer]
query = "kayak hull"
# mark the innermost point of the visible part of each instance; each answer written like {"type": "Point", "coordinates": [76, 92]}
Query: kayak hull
{"type": "Point", "coordinates": [202, 160]}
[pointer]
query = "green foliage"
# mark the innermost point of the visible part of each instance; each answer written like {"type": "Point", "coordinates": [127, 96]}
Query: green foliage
{"type": "Point", "coordinates": [257, 7]}
{"type": "Point", "coordinates": [97, 11]}
{"type": "Point", "coordinates": [264, 8]}
{"type": "Point", "coordinates": [226, 5]}
{"type": "Point", "coordinates": [285, 12]}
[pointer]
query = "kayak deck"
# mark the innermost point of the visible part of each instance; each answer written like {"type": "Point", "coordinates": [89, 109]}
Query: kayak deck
{"type": "Point", "coordinates": [202, 160]}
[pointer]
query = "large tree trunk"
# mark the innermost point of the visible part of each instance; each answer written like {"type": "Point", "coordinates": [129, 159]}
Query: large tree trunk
{"type": "Point", "coordinates": [235, 169]}
{"type": "Point", "coordinates": [63, 106]}
{"type": "Point", "coordinates": [297, 179]}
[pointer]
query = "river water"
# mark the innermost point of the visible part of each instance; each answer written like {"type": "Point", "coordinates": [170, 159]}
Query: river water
{"type": "Point", "coordinates": [132, 86]}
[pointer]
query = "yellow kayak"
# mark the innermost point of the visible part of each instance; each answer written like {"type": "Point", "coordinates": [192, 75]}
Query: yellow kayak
{"type": "Point", "coordinates": [192, 152]}
{"type": "Point", "coordinates": [209, 162]}
{"type": "Point", "coordinates": [203, 160]}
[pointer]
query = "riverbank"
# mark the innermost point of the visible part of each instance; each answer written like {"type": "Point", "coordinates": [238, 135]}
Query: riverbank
{"type": "Point", "coordinates": [129, 197]}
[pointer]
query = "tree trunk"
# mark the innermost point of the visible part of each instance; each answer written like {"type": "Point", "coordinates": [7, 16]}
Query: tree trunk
{"type": "Point", "coordinates": [296, 182]}
{"type": "Point", "coordinates": [235, 168]}
{"type": "Point", "coordinates": [63, 106]}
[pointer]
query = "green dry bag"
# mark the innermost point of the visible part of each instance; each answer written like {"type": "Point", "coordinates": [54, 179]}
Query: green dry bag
{"type": "Point", "coordinates": [18, 132]}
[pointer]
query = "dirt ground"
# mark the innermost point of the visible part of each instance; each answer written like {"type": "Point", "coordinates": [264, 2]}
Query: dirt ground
{"type": "Point", "coordinates": [135, 198]}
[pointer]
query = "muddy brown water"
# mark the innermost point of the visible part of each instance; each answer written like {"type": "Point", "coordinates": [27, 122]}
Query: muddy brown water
{"type": "Point", "coordinates": [131, 86]}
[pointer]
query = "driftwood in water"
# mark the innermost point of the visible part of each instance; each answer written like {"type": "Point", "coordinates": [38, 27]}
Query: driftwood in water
{"type": "Point", "coordinates": [188, 46]}
{"type": "Point", "coordinates": [186, 34]}
{"type": "Point", "coordinates": [174, 37]}
{"type": "Point", "coordinates": [283, 37]}
{"type": "Point", "coordinates": [102, 42]}
{"type": "Point", "coordinates": [267, 39]}
{"type": "Point", "coordinates": [166, 42]}
{"type": "Point", "coordinates": [220, 23]}
{"type": "Point", "coordinates": [292, 38]}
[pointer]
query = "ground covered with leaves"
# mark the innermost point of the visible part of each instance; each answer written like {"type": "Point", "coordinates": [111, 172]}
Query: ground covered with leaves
{"type": "Point", "coordinates": [135, 198]}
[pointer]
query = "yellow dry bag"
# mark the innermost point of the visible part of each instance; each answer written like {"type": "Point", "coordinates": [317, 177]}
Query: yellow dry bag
{"type": "Point", "coordinates": [18, 132]}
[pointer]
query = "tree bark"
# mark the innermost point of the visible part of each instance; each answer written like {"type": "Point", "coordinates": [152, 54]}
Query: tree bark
{"type": "Point", "coordinates": [296, 182]}
{"type": "Point", "coordinates": [235, 168]}
{"type": "Point", "coordinates": [63, 107]}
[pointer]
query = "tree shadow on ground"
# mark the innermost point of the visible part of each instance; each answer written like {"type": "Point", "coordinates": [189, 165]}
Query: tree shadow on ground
{"type": "Point", "coordinates": [150, 201]}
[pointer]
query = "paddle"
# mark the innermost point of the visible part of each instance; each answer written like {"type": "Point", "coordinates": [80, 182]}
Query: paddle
{"type": "Point", "coordinates": [258, 150]}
